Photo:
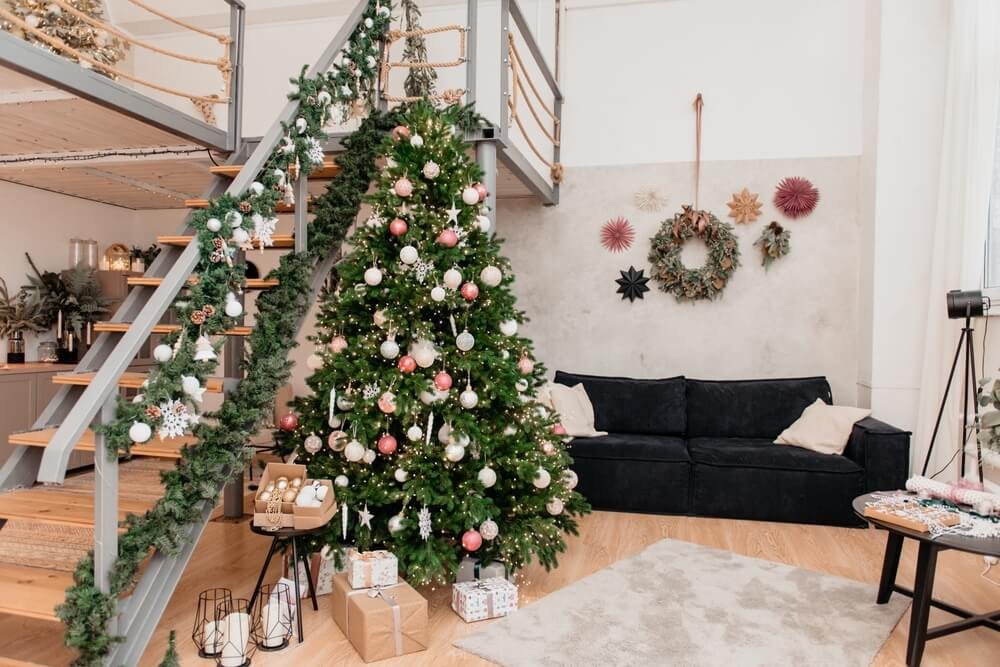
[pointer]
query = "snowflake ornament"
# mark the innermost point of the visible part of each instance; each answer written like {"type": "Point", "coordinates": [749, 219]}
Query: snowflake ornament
{"type": "Point", "coordinates": [263, 230]}
{"type": "Point", "coordinates": [424, 523]}
{"type": "Point", "coordinates": [375, 221]}
{"type": "Point", "coordinates": [421, 269]}
{"type": "Point", "coordinates": [370, 391]}
{"type": "Point", "coordinates": [176, 419]}
{"type": "Point", "coordinates": [314, 150]}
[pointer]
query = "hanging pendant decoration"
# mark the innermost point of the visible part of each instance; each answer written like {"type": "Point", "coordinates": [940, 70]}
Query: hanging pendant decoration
{"type": "Point", "coordinates": [773, 243]}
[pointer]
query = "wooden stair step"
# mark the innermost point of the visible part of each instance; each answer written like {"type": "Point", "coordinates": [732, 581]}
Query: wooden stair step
{"type": "Point", "coordinates": [32, 592]}
{"type": "Point", "coordinates": [122, 327]}
{"type": "Point", "coordinates": [327, 172]}
{"type": "Point", "coordinates": [280, 208]}
{"type": "Point", "coordinates": [252, 283]}
{"type": "Point", "coordinates": [167, 449]}
{"type": "Point", "coordinates": [127, 380]}
{"type": "Point", "coordinates": [281, 241]}
{"type": "Point", "coordinates": [60, 507]}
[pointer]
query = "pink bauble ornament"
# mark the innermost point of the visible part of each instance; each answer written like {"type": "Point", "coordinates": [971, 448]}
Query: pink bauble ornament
{"type": "Point", "coordinates": [400, 132]}
{"type": "Point", "coordinates": [470, 291]}
{"type": "Point", "coordinates": [525, 365]}
{"type": "Point", "coordinates": [289, 422]}
{"type": "Point", "coordinates": [398, 227]}
{"type": "Point", "coordinates": [448, 238]}
{"type": "Point", "coordinates": [387, 444]}
{"type": "Point", "coordinates": [387, 402]}
{"type": "Point", "coordinates": [549, 449]}
{"type": "Point", "coordinates": [403, 187]}
{"type": "Point", "coordinates": [338, 344]}
{"type": "Point", "coordinates": [407, 364]}
{"type": "Point", "coordinates": [559, 429]}
{"type": "Point", "coordinates": [481, 189]}
{"type": "Point", "coordinates": [442, 381]}
{"type": "Point", "coordinates": [471, 540]}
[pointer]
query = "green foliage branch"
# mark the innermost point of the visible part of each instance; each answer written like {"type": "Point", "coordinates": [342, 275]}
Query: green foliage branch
{"type": "Point", "coordinates": [705, 282]}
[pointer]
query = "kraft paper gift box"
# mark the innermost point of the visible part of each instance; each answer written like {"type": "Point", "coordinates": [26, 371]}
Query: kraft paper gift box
{"type": "Point", "coordinates": [483, 599]}
{"type": "Point", "coordinates": [381, 622]}
{"type": "Point", "coordinates": [371, 568]}
{"type": "Point", "coordinates": [471, 569]}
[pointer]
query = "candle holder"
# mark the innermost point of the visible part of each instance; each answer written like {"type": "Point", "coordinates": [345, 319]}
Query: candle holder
{"type": "Point", "coordinates": [273, 617]}
{"type": "Point", "coordinates": [234, 620]}
{"type": "Point", "coordinates": [206, 634]}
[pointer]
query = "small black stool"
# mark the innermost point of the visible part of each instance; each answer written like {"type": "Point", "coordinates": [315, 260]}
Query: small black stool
{"type": "Point", "coordinates": [288, 535]}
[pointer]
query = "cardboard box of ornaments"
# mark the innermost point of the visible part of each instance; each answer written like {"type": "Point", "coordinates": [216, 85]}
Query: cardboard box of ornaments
{"type": "Point", "coordinates": [281, 478]}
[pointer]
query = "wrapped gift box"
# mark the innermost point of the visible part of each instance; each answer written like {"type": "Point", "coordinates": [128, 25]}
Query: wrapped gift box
{"type": "Point", "coordinates": [371, 568]}
{"type": "Point", "coordinates": [381, 622]}
{"type": "Point", "coordinates": [471, 569]}
{"type": "Point", "coordinates": [482, 599]}
{"type": "Point", "coordinates": [322, 571]}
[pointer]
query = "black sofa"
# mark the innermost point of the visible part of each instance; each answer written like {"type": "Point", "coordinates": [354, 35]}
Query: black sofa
{"type": "Point", "coordinates": [706, 448]}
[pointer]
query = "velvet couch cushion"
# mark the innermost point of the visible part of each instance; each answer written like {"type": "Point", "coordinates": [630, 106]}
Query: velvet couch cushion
{"type": "Point", "coordinates": [632, 447]}
{"type": "Point", "coordinates": [627, 405]}
{"type": "Point", "coordinates": [762, 453]}
{"type": "Point", "coordinates": [749, 408]}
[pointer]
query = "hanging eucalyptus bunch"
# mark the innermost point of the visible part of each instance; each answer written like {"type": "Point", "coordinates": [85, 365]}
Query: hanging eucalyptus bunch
{"type": "Point", "coordinates": [773, 243]}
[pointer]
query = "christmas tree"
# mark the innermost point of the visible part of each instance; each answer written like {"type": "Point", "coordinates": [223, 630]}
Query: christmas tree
{"type": "Point", "coordinates": [423, 407]}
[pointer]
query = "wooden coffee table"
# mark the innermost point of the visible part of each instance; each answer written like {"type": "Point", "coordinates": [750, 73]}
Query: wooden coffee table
{"type": "Point", "coordinates": [924, 580]}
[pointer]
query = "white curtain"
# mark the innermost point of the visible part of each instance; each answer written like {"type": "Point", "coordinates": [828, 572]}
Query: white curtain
{"type": "Point", "coordinates": [962, 214]}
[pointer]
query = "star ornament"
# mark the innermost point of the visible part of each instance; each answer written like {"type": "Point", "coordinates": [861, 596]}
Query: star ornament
{"type": "Point", "coordinates": [365, 517]}
{"type": "Point", "coordinates": [617, 235]}
{"type": "Point", "coordinates": [632, 284]}
{"type": "Point", "coordinates": [744, 207]}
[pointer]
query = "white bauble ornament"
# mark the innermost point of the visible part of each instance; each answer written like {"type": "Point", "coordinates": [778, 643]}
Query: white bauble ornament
{"type": "Point", "coordinates": [163, 353]}
{"type": "Point", "coordinates": [369, 456]}
{"type": "Point", "coordinates": [341, 481]}
{"type": "Point", "coordinates": [324, 98]}
{"type": "Point", "coordinates": [426, 397]}
{"type": "Point", "coordinates": [395, 523]}
{"type": "Point", "coordinates": [454, 452]}
{"type": "Point", "coordinates": [389, 349]}
{"type": "Point", "coordinates": [354, 451]}
{"type": "Point", "coordinates": [438, 294]}
{"type": "Point", "coordinates": [313, 443]}
{"type": "Point", "coordinates": [432, 170]}
{"type": "Point", "coordinates": [470, 196]}
{"type": "Point", "coordinates": [314, 362]}
{"type": "Point", "coordinates": [521, 385]}
{"type": "Point", "coordinates": [373, 276]}
{"type": "Point", "coordinates": [408, 255]}
{"type": "Point", "coordinates": [487, 477]}
{"type": "Point", "coordinates": [444, 434]}
{"type": "Point", "coordinates": [423, 352]}
{"type": "Point", "coordinates": [416, 141]}
{"type": "Point", "coordinates": [213, 224]}
{"type": "Point", "coordinates": [191, 386]}
{"type": "Point", "coordinates": [465, 341]}
{"type": "Point", "coordinates": [452, 278]}
{"type": "Point", "coordinates": [469, 399]}
{"type": "Point", "coordinates": [510, 430]}
{"type": "Point", "coordinates": [491, 276]}
{"type": "Point", "coordinates": [484, 223]}
{"type": "Point", "coordinates": [554, 507]}
{"type": "Point", "coordinates": [505, 354]}
{"type": "Point", "coordinates": [542, 479]}
{"type": "Point", "coordinates": [489, 529]}
{"type": "Point", "coordinates": [234, 218]}
{"type": "Point", "coordinates": [414, 433]}
{"type": "Point", "coordinates": [401, 475]}
{"type": "Point", "coordinates": [344, 403]}
{"type": "Point", "coordinates": [240, 236]}
{"type": "Point", "coordinates": [234, 308]}
{"type": "Point", "coordinates": [140, 432]}
{"type": "Point", "coordinates": [138, 398]}
{"type": "Point", "coordinates": [508, 327]}
{"type": "Point", "coordinates": [257, 188]}
{"type": "Point", "coordinates": [379, 318]}
{"type": "Point", "coordinates": [569, 479]}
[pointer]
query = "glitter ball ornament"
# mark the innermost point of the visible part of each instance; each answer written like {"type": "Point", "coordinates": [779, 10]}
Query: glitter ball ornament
{"type": "Point", "coordinates": [401, 475]}
{"type": "Point", "coordinates": [508, 327]}
{"type": "Point", "coordinates": [398, 227]}
{"type": "Point", "coordinates": [489, 530]}
{"type": "Point", "coordinates": [438, 294]}
{"type": "Point", "coordinates": [471, 540]}
{"type": "Point", "coordinates": [452, 278]}
{"type": "Point", "coordinates": [416, 141]}
{"type": "Point", "coordinates": [406, 364]}
{"type": "Point", "coordinates": [373, 276]}
{"type": "Point", "coordinates": [554, 507]}
{"type": "Point", "coordinates": [414, 433]}
{"type": "Point", "coordinates": [163, 353]}
{"type": "Point", "coordinates": [569, 479]}
{"type": "Point", "coordinates": [448, 238]}
{"type": "Point", "coordinates": [313, 443]}
{"type": "Point", "coordinates": [491, 276]}
{"type": "Point", "coordinates": [354, 451]}
{"type": "Point", "coordinates": [444, 434]}
{"type": "Point", "coordinates": [288, 422]}
{"type": "Point", "coordinates": [484, 223]}
{"type": "Point", "coordinates": [423, 352]}
{"type": "Point", "coordinates": [378, 318]}
{"type": "Point", "coordinates": [389, 349]}
{"type": "Point", "coordinates": [548, 449]}
{"type": "Point", "coordinates": [470, 291]}
{"type": "Point", "coordinates": [408, 255]}
{"type": "Point", "coordinates": [465, 341]}
{"type": "Point", "coordinates": [234, 218]}
{"type": "Point", "coordinates": [525, 365]}
{"type": "Point", "coordinates": [454, 452]}
{"type": "Point", "coordinates": [431, 170]}
{"type": "Point", "coordinates": [542, 479]}
{"type": "Point", "coordinates": [369, 456]}
{"type": "Point", "coordinates": [387, 402]}
{"type": "Point", "coordinates": [338, 344]}
{"type": "Point", "coordinates": [442, 381]}
{"type": "Point", "coordinates": [341, 481]}
{"type": "Point", "coordinates": [481, 191]}
{"type": "Point", "coordinates": [140, 432]}
{"type": "Point", "coordinates": [396, 523]}
{"type": "Point", "coordinates": [344, 403]}
{"type": "Point", "coordinates": [337, 441]}
{"type": "Point", "coordinates": [468, 398]}
{"type": "Point", "coordinates": [796, 197]}
{"type": "Point", "coordinates": [470, 196]}
{"type": "Point", "coordinates": [487, 477]}
{"type": "Point", "coordinates": [400, 133]}
{"type": "Point", "coordinates": [403, 187]}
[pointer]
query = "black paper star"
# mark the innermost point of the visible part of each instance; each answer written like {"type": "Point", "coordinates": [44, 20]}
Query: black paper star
{"type": "Point", "coordinates": [632, 284]}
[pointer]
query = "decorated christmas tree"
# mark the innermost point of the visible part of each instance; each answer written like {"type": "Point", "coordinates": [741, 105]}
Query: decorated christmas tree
{"type": "Point", "coordinates": [423, 407]}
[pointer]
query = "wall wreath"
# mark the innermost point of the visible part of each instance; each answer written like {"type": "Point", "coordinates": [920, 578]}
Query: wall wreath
{"type": "Point", "coordinates": [706, 282]}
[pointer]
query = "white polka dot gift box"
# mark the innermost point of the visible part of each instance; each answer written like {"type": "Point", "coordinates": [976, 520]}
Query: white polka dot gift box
{"type": "Point", "coordinates": [483, 599]}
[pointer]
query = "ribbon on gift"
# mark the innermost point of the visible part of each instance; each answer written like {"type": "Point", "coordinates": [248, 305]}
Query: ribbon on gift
{"type": "Point", "coordinates": [489, 587]}
{"type": "Point", "coordinates": [369, 558]}
{"type": "Point", "coordinates": [378, 592]}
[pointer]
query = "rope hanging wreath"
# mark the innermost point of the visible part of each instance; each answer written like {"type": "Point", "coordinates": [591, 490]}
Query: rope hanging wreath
{"type": "Point", "coordinates": [708, 281]}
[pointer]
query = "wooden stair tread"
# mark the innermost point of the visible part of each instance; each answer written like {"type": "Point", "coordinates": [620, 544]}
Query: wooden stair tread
{"type": "Point", "coordinates": [32, 592]}
{"type": "Point", "coordinates": [127, 380]}
{"type": "Point", "coordinates": [167, 449]}
{"type": "Point", "coordinates": [252, 283]}
{"type": "Point", "coordinates": [60, 507]}
{"type": "Point", "coordinates": [281, 241]}
{"type": "Point", "coordinates": [122, 327]}
{"type": "Point", "coordinates": [328, 171]}
{"type": "Point", "coordinates": [280, 208]}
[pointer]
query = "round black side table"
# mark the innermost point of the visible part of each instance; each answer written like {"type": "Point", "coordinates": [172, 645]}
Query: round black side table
{"type": "Point", "coordinates": [929, 547]}
{"type": "Point", "coordinates": [288, 535]}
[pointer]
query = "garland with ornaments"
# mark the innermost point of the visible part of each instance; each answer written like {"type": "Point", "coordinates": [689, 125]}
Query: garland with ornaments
{"type": "Point", "coordinates": [423, 407]}
{"type": "Point", "coordinates": [705, 282]}
{"type": "Point", "coordinates": [222, 449]}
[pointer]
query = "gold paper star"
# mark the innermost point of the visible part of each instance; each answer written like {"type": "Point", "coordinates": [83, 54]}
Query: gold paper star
{"type": "Point", "coordinates": [744, 207]}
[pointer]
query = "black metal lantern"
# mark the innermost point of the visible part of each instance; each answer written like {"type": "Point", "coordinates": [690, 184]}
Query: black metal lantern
{"type": "Point", "coordinates": [206, 634]}
{"type": "Point", "coordinates": [239, 633]}
{"type": "Point", "coordinates": [273, 617]}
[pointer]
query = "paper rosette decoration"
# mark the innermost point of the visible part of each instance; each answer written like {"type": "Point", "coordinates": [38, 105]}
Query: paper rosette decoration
{"type": "Point", "coordinates": [796, 197]}
{"type": "Point", "coordinates": [617, 235]}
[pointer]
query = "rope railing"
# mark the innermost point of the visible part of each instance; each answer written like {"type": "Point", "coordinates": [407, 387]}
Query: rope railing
{"type": "Point", "coordinates": [449, 96]}
{"type": "Point", "coordinates": [224, 39]}
{"type": "Point", "coordinates": [520, 72]}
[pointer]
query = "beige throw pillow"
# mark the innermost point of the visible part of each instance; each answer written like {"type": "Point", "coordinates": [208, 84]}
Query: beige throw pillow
{"type": "Point", "coordinates": [823, 428]}
{"type": "Point", "coordinates": [575, 410]}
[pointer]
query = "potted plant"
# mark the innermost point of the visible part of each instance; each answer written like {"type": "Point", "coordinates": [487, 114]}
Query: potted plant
{"type": "Point", "coordinates": [80, 306]}
{"type": "Point", "coordinates": [19, 312]}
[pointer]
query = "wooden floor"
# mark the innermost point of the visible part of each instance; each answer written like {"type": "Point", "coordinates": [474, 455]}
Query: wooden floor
{"type": "Point", "coordinates": [230, 555]}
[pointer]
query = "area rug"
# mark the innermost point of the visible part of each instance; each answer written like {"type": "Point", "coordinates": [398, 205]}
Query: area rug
{"type": "Point", "coordinates": [677, 603]}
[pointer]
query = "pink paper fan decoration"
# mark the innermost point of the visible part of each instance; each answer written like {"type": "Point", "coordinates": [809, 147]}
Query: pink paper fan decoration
{"type": "Point", "coordinates": [796, 197]}
{"type": "Point", "coordinates": [617, 235]}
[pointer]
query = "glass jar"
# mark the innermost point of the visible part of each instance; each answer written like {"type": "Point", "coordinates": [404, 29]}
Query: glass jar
{"type": "Point", "coordinates": [90, 253]}
{"type": "Point", "coordinates": [77, 252]}
{"type": "Point", "coordinates": [15, 348]}
{"type": "Point", "coordinates": [48, 351]}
